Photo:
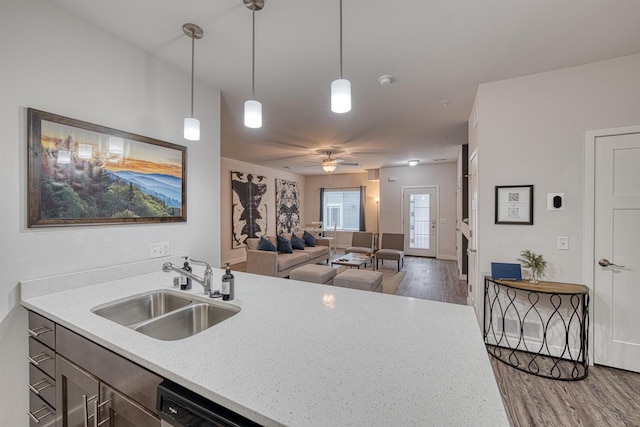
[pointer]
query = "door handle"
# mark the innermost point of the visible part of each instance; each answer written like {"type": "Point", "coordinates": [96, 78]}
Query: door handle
{"type": "Point", "coordinates": [85, 408]}
{"type": "Point", "coordinates": [96, 410]}
{"type": "Point", "coordinates": [605, 263]}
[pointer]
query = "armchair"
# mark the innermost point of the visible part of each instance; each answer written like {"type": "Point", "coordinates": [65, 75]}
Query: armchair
{"type": "Point", "coordinates": [391, 247]}
{"type": "Point", "coordinates": [361, 242]}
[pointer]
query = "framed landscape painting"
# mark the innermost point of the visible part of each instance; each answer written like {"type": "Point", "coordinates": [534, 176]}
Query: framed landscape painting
{"type": "Point", "coordinates": [80, 173]}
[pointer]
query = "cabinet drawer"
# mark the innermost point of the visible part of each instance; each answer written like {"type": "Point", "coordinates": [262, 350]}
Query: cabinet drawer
{"type": "Point", "coordinates": [42, 385]}
{"type": "Point", "coordinates": [42, 329]}
{"type": "Point", "coordinates": [122, 374]}
{"type": "Point", "coordinates": [42, 356]}
{"type": "Point", "coordinates": [40, 414]}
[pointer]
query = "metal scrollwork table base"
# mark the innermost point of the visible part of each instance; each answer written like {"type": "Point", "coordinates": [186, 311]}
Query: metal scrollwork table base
{"type": "Point", "coordinates": [538, 328]}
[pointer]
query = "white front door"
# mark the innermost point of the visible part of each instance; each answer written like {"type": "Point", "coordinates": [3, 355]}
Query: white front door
{"type": "Point", "coordinates": [616, 296]}
{"type": "Point", "coordinates": [472, 269]}
{"type": "Point", "coordinates": [420, 221]}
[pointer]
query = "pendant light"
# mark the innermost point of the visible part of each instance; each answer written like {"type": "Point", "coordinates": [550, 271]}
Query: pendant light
{"type": "Point", "coordinates": [341, 88]}
{"type": "Point", "coordinates": [191, 124]}
{"type": "Point", "coordinates": [253, 108]}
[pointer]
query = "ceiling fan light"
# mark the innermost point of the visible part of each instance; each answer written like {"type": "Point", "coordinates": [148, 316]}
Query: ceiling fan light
{"type": "Point", "coordinates": [329, 167]}
{"type": "Point", "coordinates": [192, 129]}
{"type": "Point", "coordinates": [341, 96]}
{"type": "Point", "coordinates": [253, 114]}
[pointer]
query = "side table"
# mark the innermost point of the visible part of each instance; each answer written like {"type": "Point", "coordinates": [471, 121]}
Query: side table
{"type": "Point", "coordinates": [538, 328]}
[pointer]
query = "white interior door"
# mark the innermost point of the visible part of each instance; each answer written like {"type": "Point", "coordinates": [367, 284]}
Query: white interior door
{"type": "Point", "coordinates": [420, 221]}
{"type": "Point", "coordinates": [472, 269]}
{"type": "Point", "coordinates": [617, 241]}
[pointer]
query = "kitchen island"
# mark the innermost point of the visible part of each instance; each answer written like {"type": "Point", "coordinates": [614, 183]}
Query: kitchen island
{"type": "Point", "coordinates": [302, 354]}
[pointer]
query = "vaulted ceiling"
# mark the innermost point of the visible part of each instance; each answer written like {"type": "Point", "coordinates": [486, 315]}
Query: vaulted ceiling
{"type": "Point", "coordinates": [437, 51]}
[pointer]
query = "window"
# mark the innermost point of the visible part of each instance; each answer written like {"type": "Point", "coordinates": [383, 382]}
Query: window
{"type": "Point", "coordinates": [341, 208]}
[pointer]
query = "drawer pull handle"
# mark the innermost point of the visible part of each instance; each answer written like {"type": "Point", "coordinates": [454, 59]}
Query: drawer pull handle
{"type": "Point", "coordinates": [36, 332]}
{"type": "Point", "coordinates": [34, 387]}
{"type": "Point", "coordinates": [39, 358]}
{"type": "Point", "coordinates": [34, 415]}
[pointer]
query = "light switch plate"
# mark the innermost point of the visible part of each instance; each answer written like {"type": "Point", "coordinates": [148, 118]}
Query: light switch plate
{"type": "Point", "coordinates": [563, 243]}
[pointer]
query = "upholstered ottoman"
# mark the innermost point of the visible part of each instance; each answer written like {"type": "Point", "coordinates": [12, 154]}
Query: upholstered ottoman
{"type": "Point", "coordinates": [314, 273]}
{"type": "Point", "coordinates": [359, 279]}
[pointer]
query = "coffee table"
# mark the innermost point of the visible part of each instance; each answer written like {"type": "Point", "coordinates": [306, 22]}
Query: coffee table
{"type": "Point", "coordinates": [353, 259]}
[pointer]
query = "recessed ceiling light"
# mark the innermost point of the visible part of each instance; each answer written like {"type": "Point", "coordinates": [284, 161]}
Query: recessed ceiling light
{"type": "Point", "coordinates": [413, 162]}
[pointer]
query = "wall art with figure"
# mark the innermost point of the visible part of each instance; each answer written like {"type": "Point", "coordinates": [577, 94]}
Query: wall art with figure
{"type": "Point", "coordinates": [287, 206]}
{"type": "Point", "coordinates": [249, 212]}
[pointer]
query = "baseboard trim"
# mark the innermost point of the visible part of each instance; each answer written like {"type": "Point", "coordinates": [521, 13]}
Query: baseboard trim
{"type": "Point", "coordinates": [448, 257]}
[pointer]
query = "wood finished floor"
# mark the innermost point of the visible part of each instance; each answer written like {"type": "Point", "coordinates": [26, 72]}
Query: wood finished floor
{"type": "Point", "coordinates": [426, 278]}
{"type": "Point", "coordinates": [608, 397]}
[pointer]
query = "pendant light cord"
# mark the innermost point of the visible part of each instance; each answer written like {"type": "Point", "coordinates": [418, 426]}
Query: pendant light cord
{"type": "Point", "coordinates": [193, 49]}
{"type": "Point", "coordinates": [253, 53]}
{"type": "Point", "coordinates": [341, 39]}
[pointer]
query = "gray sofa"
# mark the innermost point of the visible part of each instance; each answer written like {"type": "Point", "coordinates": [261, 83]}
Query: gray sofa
{"type": "Point", "coordinates": [280, 265]}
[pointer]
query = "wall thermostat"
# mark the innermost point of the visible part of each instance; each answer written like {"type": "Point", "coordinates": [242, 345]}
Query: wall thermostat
{"type": "Point", "coordinates": [555, 201]}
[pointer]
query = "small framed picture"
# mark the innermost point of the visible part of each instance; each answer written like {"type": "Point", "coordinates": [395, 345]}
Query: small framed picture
{"type": "Point", "coordinates": [514, 204]}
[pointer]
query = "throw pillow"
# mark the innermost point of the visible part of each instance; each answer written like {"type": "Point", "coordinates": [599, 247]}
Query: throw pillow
{"type": "Point", "coordinates": [297, 242]}
{"type": "Point", "coordinates": [309, 239]}
{"type": "Point", "coordinates": [284, 246]}
{"type": "Point", "coordinates": [266, 245]}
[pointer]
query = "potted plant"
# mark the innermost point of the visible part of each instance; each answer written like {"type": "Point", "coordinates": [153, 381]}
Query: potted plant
{"type": "Point", "coordinates": [535, 262]}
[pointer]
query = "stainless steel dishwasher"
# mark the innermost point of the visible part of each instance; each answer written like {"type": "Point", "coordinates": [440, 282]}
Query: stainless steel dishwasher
{"type": "Point", "coordinates": [180, 407]}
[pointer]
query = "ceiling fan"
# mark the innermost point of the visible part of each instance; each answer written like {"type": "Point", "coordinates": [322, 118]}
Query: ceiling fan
{"type": "Point", "coordinates": [329, 164]}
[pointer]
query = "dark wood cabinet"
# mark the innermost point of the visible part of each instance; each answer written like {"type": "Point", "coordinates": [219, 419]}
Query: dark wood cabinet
{"type": "Point", "coordinates": [75, 382]}
{"type": "Point", "coordinates": [78, 390]}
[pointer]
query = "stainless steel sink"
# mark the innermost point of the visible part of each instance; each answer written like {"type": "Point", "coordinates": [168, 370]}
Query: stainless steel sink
{"type": "Point", "coordinates": [185, 322]}
{"type": "Point", "coordinates": [140, 309]}
{"type": "Point", "coordinates": [166, 316]}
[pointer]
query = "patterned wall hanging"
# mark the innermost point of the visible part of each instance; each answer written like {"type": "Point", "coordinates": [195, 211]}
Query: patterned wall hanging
{"type": "Point", "coordinates": [249, 212]}
{"type": "Point", "coordinates": [287, 206]}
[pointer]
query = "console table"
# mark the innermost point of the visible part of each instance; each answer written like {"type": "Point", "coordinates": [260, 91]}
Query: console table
{"type": "Point", "coordinates": [538, 328]}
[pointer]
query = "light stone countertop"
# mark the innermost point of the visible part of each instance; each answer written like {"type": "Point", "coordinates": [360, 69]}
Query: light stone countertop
{"type": "Point", "coordinates": [302, 354]}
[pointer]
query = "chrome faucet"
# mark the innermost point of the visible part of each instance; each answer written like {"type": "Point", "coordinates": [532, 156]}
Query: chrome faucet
{"type": "Point", "coordinates": [167, 267]}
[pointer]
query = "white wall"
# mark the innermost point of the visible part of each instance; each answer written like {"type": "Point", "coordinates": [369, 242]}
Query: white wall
{"type": "Point", "coordinates": [226, 167]}
{"type": "Point", "coordinates": [532, 131]}
{"type": "Point", "coordinates": [442, 175]}
{"type": "Point", "coordinates": [53, 61]}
